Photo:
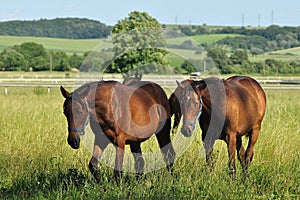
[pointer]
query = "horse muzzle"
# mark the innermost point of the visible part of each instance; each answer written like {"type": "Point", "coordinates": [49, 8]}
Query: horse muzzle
{"type": "Point", "coordinates": [186, 131]}
{"type": "Point", "coordinates": [74, 142]}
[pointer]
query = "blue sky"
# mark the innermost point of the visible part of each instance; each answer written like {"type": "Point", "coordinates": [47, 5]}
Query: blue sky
{"type": "Point", "coordinates": [211, 12]}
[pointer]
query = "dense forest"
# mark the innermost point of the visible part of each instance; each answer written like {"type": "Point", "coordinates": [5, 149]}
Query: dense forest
{"type": "Point", "coordinates": [73, 28]}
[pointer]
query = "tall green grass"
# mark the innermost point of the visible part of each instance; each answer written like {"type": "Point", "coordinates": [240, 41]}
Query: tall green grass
{"type": "Point", "coordinates": [37, 163]}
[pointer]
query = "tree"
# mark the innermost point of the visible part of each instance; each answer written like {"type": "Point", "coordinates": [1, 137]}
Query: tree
{"type": "Point", "coordinates": [35, 54]}
{"type": "Point", "coordinates": [75, 28]}
{"type": "Point", "coordinates": [239, 57]}
{"type": "Point", "coordinates": [12, 60]}
{"type": "Point", "coordinates": [60, 61]}
{"type": "Point", "coordinates": [220, 58]}
{"type": "Point", "coordinates": [138, 40]}
{"type": "Point", "coordinates": [75, 61]}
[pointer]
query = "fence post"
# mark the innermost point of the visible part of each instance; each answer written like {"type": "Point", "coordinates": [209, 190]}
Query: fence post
{"type": "Point", "coordinates": [48, 89]}
{"type": "Point", "coordinates": [5, 90]}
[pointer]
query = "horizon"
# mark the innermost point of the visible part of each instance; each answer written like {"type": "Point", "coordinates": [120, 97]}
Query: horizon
{"type": "Point", "coordinates": [190, 12]}
{"type": "Point", "coordinates": [209, 25]}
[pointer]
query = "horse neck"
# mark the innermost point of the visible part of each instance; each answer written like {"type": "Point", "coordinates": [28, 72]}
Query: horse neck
{"type": "Point", "coordinates": [206, 101]}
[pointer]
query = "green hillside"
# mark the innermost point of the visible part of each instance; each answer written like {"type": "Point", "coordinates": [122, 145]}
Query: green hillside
{"type": "Point", "coordinates": [200, 39]}
{"type": "Point", "coordinates": [56, 44]}
{"type": "Point", "coordinates": [81, 46]}
{"type": "Point", "coordinates": [292, 54]}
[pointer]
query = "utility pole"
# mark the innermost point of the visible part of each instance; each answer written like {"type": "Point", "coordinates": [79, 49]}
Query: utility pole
{"type": "Point", "coordinates": [272, 17]}
{"type": "Point", "coordinates": [243, 20]}
{"type": "Point", "coordinates": [51, 67]}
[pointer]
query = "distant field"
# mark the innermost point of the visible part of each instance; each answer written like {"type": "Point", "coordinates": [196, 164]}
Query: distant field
{"type": "Point", "coordinates": [55, 44]}
{"type": "Point", "coordinates": [292, 54]}
{"type": "Point", "coordinates": [81, 46]}
{"type": "Point", "coordinates": [200, 39]}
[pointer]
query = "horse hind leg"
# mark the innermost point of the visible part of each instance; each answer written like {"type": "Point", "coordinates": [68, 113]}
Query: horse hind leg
{"type": "Point", "coordinates": [231, 144]}
{"type": "Point", "coordinates": [138, 158]}
{"type": "Point", "coordinates": [241, 152]}
{"type": "Point", "coordinates": [253, 135]}
{"type": "Point", "coordinates": [166, 147]}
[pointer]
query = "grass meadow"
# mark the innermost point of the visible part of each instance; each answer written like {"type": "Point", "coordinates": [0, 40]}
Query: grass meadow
{"type": "Point", "coordinates": [37, 163]}
{"type": "Point", "coordinates": [55, 44]}
{"type": "Point", "coordinates": [81, 46]}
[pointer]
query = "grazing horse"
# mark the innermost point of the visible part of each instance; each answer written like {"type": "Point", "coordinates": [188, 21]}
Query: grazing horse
{"type": "Point", "coordinates": [226, 110]}
{"type": "Point", "coordinates": [119, 114]}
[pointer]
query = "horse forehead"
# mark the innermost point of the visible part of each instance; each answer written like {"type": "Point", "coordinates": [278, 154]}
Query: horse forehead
{"type": "Point", "coordinates": [189, 91]}
{"type": "Point", "coordinates": [72, 101]}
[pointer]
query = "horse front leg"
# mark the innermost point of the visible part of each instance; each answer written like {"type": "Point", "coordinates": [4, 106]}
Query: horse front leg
{"type": "Point", "coordinates": [93, 164]}
{"type": "Point", "coordinates": [208, 144]}
{"type": "Point", "coordinates": [100, 143]}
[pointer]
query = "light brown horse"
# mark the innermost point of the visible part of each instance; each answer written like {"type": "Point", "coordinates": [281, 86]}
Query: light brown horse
{"type": "Point", "coordinates": [119, 114]}
{"type": "Point", "coordinates": [226, 110]}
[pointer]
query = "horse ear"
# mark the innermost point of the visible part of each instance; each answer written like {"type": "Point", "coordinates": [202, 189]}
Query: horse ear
{"type": "Point", "coordinates": [201, 85]}
{"type": "Point", "coordinates": [64, 92]}
{"type": "Point", "coordinates": [84, 92]}
{"type": "Point", "coordinates": [179, 84]}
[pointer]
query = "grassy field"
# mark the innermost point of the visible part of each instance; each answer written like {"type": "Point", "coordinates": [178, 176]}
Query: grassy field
{"type": "Point", "coordinates": [292, 54]}
{"type": "Point", "coordinates": [55, 44]}
{"type": "Point", "coordinates": [81, 46]}
{"type": "Point", "coordinates": [37, 163]}
{"type": "Point", "coordinates": [200, 39]}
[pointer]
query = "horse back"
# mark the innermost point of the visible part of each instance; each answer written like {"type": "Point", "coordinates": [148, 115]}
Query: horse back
{"type": "Point", "coordinates": [253, 89]}
{"type": "Point", "coordinates": [249, 100]}
{"type": "Point", "coordinates": [149, 91]}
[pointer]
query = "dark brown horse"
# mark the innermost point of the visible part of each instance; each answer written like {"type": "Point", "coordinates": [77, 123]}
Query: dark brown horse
{"type": "Point", "coordinates": [226, 110]}
{"type": "Point", "coordinates": [119, 114]}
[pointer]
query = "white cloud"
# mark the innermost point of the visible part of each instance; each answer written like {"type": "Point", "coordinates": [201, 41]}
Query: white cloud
{"type": "Point", "coordinates": [70, 6]}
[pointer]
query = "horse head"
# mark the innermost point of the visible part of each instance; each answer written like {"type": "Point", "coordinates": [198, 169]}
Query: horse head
{"type": "Point", "coordinates": [76, 110]}
{"type": "Point", "coordinates": [190, 100]}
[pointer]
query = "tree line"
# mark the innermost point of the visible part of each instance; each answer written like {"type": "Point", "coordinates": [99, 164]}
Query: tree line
{"type": "Point", "coordinates": [31, 56]}
{"type": "Point", "coordinates": [239, 63]}
{"type": "Point", "coordinates": [73, 28]}
{"type": "Point", "coordinates": [254, 40]}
